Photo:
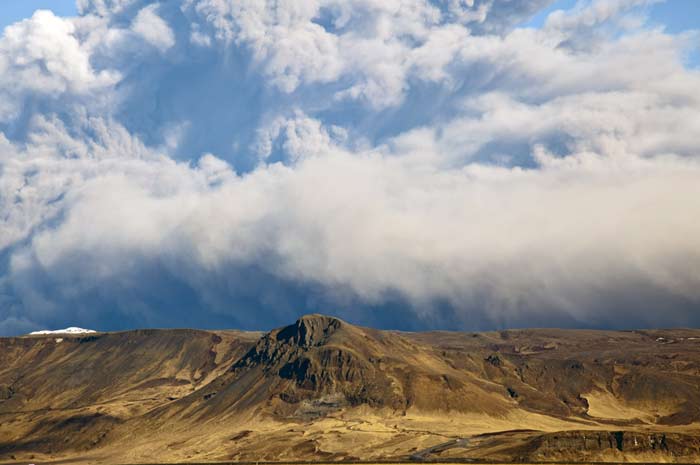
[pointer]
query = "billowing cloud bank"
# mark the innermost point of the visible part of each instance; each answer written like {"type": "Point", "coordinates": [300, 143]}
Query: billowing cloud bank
{"type": "Point", "coordinates": [406, 163]}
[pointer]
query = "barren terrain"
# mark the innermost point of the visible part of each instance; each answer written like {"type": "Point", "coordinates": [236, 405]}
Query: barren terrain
{"type": "Point", "coordinates": [324, 390]}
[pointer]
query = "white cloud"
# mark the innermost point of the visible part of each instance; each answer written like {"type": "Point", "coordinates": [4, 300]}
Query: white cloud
{"type": "Point", "coordinates": [348, 153]}
{"type": "Point", "coordinates": [523, 240]}
{"type": "Point", "coordinates": [103, 7]}
{"type": "Point", "coordinates": [592, 14]}
{"type": "Point", "coordinates": [153, 29]}
{"type": "Point", "coordinates": [42, 56]}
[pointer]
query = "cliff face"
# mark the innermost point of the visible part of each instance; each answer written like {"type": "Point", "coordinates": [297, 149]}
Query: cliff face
{"type": "Point", "coordinates": [322, 388]}
{"type": "Point", "coordinates": [610, 445]}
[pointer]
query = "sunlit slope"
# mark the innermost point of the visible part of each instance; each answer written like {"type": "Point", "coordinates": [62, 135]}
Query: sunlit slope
{"type": "Point", "coordinates": [323, 389]}
{"type": "Point", "coordinates": [58, 392]}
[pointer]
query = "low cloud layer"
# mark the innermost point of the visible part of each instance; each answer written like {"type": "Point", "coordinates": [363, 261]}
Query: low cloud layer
{"type": "Point", "coordinates": [408, 164]}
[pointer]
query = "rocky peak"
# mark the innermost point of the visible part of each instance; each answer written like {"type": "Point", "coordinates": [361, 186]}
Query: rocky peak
{"type": "Point", "coordinates": [290, 342]}
{"type": "Point", "coordinates": [310, 330]}
{"type": "Point", "coordinates": [321, 356]}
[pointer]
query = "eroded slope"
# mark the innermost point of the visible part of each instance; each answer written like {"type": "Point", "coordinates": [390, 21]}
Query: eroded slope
{"type": "Point", "coordinates": [323, 389]}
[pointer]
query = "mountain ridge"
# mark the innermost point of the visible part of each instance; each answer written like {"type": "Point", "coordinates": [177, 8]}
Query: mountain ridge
{"type": "Point", "coordinates": [324, 389]}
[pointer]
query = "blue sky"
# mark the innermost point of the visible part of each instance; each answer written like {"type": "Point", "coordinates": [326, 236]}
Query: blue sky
{"type": "Point", "coordinates": [195, 164]}
{"type": "Point", "coordinates": [539, 18]}
{"type": "Point", "coordinates": [675, 15]}
{"type": "Point", "coordinates": [15, 10]}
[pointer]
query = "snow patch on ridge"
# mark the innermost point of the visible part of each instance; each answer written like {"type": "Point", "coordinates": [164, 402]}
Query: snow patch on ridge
{"type": "Point", "coordinates": [71, 330]}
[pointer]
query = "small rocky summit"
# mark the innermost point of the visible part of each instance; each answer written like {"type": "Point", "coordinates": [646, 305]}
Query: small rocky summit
{"type": "Point", "coordinates": [310, 330]}
{"type": "Point", "coordinates": [319, 355]}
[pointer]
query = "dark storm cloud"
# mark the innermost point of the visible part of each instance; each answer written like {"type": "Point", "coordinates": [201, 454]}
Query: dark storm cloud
{"type": "Point", "coordinates": [404, 164]}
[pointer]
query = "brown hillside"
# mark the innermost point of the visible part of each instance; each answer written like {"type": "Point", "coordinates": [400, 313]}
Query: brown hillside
{"type": "Point", "coordinates": [323, 389]}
